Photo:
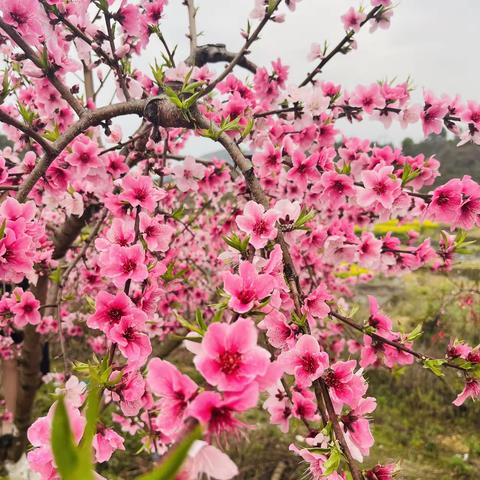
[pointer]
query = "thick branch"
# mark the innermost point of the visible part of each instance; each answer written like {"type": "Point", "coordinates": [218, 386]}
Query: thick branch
{"type": "Point", "coordinates": [217, 52]}
{"type": "Point", "coordinates": [166, 114]}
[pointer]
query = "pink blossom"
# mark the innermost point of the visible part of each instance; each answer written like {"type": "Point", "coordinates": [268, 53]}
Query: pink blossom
{"type": "Point", "coordinates": [110, 309]}
{"type": "Point", "coordinates": [230, 358]}
{"type": "Point", "coordinates": [188, 173]}
{"type": "Point", "coordinates": [315, 305]}
{"type": "Point", "coordinates": [380, 188]}
{"type": "Point", "coordinates": [357, 428]}
{"type": "Point", "coordinates": [84, 155]}
{"type": "Point", "coordinates": [24, 17]}
{"type": "Point", "coordinates": [345, 386]}
{"type": "Point", "coordinates": [446, 202]}
{"type": "Point", "coordinates": [247, 287]}
{"type": "Point", "coordinates": [26, 309]}
{"type": "Point", "coordinates": [258, 223]}
{"type": "Point", "coordinates": [205, 459]}
{"type": "Point", "coordinates": [381, 472]}
{"type": "Point", "coordinates": [368, 98]}
{"type": "Point", "coordinates": [305, 361]}
{"type": "Point", "coordinates": [139, 192]}
{"type": "Point", "coordinates": [219, 413]}
{"type": "Point", "coordinates": [377, 319]}
{"type": "Point", "coordinates": [132, 342]}
{"type": "Point", "coordinates": [369, 250]}
{"type": "Point", "coordinates": [433, 114]}
{"type": "Point", "coordinates": [471, 390]}
{"type": "Point", "coordinates": [156, 234]}
{"type": "Point", "coordinates": [105, 443]}
{"type": "Point", "coordinates": [174, 389]}
{"type": "Point", "coordinates": [352, 20]}
{"type": "Point", "coordinates": [303, 169]}
{"type": "Point", "coordinates": [334, 188]}
{"type": "Point", "coordinates": [124, 263]}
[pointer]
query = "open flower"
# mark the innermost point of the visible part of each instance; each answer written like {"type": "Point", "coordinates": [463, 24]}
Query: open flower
{"type": "Point", "coordinates": [247, 287]}
{"type": "Point", "coordinates": [230, 358]}
{"type": "Point", "coordinates": [187, 174]}
{"type": "Point", "coordinates": [306, 361]}
{"type": "Point", "coordinates": [257, 223]}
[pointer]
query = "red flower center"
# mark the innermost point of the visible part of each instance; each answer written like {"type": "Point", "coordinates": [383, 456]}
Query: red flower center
{"type": "Point", "coordinates": [230, 362]}
{"type": "Point", "coordinates": [260, 228]}
{"type": "Point", "coordinates": [309, 363]}
{"type": "Point", "coordinates": [246, 296]}
{"type": "Point", "coordinates": [129, 266]}
{"type": "Point", "coordinates": [331, 379]}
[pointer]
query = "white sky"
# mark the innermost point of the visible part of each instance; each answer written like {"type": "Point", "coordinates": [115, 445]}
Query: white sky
{"type": "Point", "coordinates": [433, 41]}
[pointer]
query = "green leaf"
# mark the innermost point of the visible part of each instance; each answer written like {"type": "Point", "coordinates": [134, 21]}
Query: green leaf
{"type": "Point", "coordinates": [305, 217]}
{"type": "Point", "coordinates": [434, 364]}
{"type": "Point", "coordinates": [2, 228]}
{"type": "Point", "coordinates": [188, 325]}
{"type": "Point", "coordinates": [415, 333]}
{"type": "Point", "coordinates": [70, 464]}
{"type": "Point", "coordinates": [200, 320]}
{"type": "Point", "coordinates": [174, 459]}
{"type": "Point", "coordinates": [56, 276]}
{"type": "Point", "coordinates": [333, 462]}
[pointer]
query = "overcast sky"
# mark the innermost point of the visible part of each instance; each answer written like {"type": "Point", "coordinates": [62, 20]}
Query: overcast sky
{"type": "Point", "coordinates": [433, 41]}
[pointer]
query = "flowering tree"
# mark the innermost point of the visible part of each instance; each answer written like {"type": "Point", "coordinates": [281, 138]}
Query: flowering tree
{"type": "Point", "coordinates": [138, 248]}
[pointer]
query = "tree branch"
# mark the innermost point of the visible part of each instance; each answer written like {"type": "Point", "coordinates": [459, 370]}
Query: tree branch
{"type": "Point", "coordinates": [160, 109]}
{"type": "Point", "coordinates": [7, 119]}
{"type": "Point", "coordinates": [345, 40]}
{"type": "Point", "coordinates": [244, 50]}
{"type": "Point", "coordinates": [217, 52]}
{"type": "Point", "coordinates": [192, 29]}
{"type": "Point", "coordinates": [54, 80]}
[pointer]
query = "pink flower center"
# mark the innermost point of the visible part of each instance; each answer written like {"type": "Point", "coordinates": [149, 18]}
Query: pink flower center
{"type": "Point", "coordinates": [338, 186]}
{"type": "Point", "coordinates": [28, 308]}
{"type": "Point", "coordinates": [140, 194]}
{"type": "Point", "coordinates": [129, 266]}
{"type": "Point", "coordinates": [115, 314]}
{"type": "Point", "coordinates": [246, 296]}
{"type": "Point", "coordinates": [331, 379]}
{"type": "Point", "coordinates": [19, 17]}
{"type": "Point", "coordinates": [309, 363]}
{"type": "Point", "coordinates": [475, 117]}
{"type": "Point", "coordinates": [380, 188]}
{"type": "Point", "coordinates": [443, 199]}
{"type": "Point", "coordinates": [129, 333]}
{"type": "Point", "coordinates": [260, 227]}
{"type": "Point", "coordinates": [230, 362]}
{"type": "Point", "coordinates": [84, 157]}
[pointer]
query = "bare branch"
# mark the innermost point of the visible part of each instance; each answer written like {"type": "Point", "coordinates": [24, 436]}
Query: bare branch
{"type": "Point", "coordinates": [243, 51]}
{"type": "Point", "coordinates": [192, 28]}
{"type": "Point", "coordinates": [339, 48]}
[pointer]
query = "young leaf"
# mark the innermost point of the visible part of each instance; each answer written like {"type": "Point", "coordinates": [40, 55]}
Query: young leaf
{"type": "Point", "coordinates": [174, 459]}
{"type": "Point", "coordinates": [63, 447]}
{"type": "Point", "coordinates": [434, 366]}
{"type": "Point", "coordinates": [333, 462]}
